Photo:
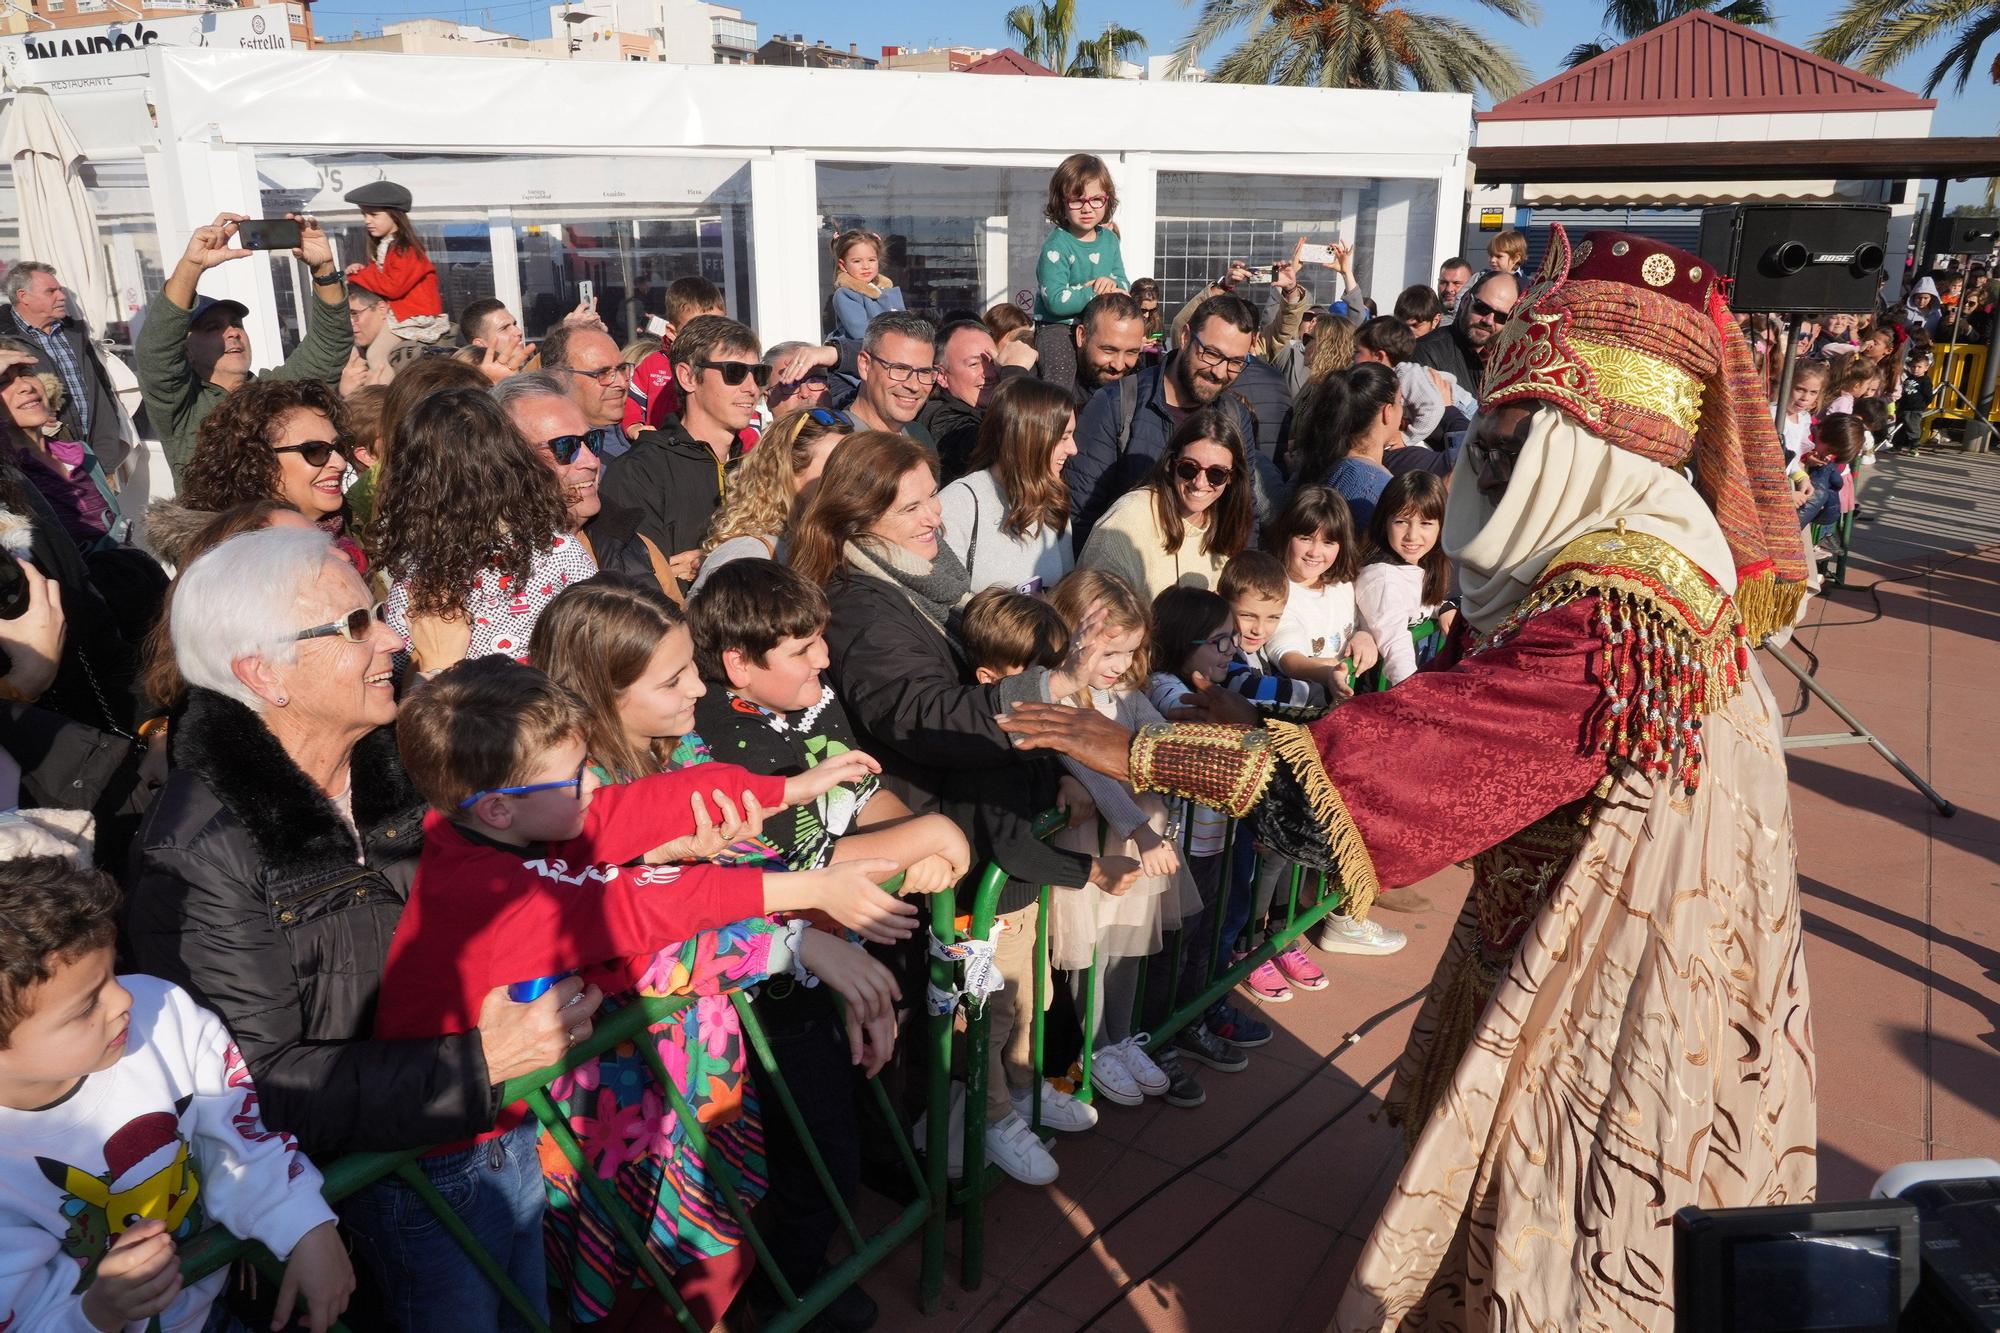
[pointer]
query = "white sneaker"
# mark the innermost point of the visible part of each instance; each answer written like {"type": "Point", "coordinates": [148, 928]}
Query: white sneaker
{"type": "Point", "coordinates": [1343, 934]}
{"type": "Point", "coordinates": [1152, 1079]}
{"type": "Point", "coordinates": [1110, 1077]}
{"type": "Point", "coordinates": [1013, 1147]}
{"type": "Point", "coordinates": [955, 1135]}
{"type": "Point", "coordinates": [1059, 1110]}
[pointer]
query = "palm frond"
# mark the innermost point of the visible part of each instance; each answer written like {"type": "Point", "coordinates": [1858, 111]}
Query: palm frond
{"type": "Point", "coordinates": [1855, 28]}
{"type": "Point", "coordinates": [1750, 13]}
{"type": "Point", "coordinates": [1583, 53]}
{"type": "Point", "coordinates": [1964, 52]}
{"type": "Point", "coordinates": [1216, 18]}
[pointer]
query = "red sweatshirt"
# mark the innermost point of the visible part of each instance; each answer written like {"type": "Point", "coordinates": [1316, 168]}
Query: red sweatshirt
{"type": "Point", "coordinates": [482, 915]}
{"type": "Point", "coordinates": [406, 279]}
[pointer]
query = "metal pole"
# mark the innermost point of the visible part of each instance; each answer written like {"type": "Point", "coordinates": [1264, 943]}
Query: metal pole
{"type": "Point", "coordinates": [1785, 377]}
{"type": "Point", "coordinates": [1982, 425]}
{"type": "Point", "coordinates": [1858, 732]}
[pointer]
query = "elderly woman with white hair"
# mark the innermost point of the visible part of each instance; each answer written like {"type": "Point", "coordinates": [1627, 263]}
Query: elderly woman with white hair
{"type": "Point", "coordinates": [275, 863]}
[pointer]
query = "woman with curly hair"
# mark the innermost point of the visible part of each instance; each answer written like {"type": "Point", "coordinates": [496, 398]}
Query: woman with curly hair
{"type": "Point", "coordinates": [472, 529]}
{"type": "Point", "coordinates": [277, 440]}
{"type": "Point", "coordinates": [771, 484]}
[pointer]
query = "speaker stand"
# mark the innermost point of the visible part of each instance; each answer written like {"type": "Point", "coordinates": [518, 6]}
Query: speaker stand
{"type": "Point", "coordinates": [1857, 733]}
{"type": "Point", "coordinates": [1779, 408]}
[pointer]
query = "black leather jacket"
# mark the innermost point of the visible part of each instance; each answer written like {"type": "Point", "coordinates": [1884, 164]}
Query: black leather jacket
{"type": "Point", "coordinates": [250, 892]}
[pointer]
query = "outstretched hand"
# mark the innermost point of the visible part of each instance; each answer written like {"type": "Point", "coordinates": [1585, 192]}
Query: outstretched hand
{"type": "Point", "coordinates": [1212, 703]}
{"type": "Point", "coordinates": [1084, 734]}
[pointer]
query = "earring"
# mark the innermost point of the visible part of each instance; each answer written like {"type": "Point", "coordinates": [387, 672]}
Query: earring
{"type": "Point", "coordinates": [282, 700]}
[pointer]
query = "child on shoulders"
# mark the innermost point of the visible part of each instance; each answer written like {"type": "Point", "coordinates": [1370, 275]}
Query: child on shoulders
{"type": "Point", "coordinates": [861, 290]}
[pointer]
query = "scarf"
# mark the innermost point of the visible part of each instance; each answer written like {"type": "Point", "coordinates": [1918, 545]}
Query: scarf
{"type": "Point", "coordinates": [883, 282]}
{"type": "Point", "coordinates": [939, 588]}
{"type": "Point", "coordinates": [1568, 482]}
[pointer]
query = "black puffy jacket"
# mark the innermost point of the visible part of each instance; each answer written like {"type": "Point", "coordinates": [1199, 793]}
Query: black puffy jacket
{"type": "Point", "coordinates": [248, 892]}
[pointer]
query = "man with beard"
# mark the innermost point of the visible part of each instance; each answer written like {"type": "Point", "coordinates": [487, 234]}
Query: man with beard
{"type": "Point", "coordinates": [1110, 336]}
{"type": "Point", "coordinates": [1125, 427]}
{"type": "Point", "coordinates": [1453, 274]}
{"type": "Point", "coordinates": [1620, 1024]}
{"type": "Point", "coordinates": [1459, 348]}
{"type": "Point", "coordinates": [674, 475]}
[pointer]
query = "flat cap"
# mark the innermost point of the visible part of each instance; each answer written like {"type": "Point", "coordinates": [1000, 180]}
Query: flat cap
{"type": "Point", "coordinates": [380, 194]}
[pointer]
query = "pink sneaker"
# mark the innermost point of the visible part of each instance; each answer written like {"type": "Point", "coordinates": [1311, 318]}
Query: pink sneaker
{"type": "Point", "coordinates": [1268, 984]}
{"type": "Point", "coordinates": [1299, 969]}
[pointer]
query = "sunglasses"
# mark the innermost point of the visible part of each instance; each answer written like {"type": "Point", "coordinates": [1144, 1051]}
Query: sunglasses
{"type": "Point", "coordinates": [565, 448]}
{"type": "Point", "coordinates": [575, 784]}
{"type": "Point", "coordinates": [734, 372]}
{"type": "Point", "coordinates": [819, 416]}
{"type": "Point", "coordinates": [1480, 307]}
{"type": "Point", "coordinates": [315, 452]}
{"type": "Point", "coordinates": [353, 627]}
{"type": "Point", "coordinates": [1218, 477]}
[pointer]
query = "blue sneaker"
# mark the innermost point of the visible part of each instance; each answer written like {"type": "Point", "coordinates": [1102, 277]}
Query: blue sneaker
{"type": "Point", "coordinates": [1236, 1027]}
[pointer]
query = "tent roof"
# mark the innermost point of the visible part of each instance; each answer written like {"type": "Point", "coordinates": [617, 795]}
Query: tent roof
{"type": "Point", "coordinates": [1701, 65]}
{"type": "Point", "coordinates": [1008, 61]}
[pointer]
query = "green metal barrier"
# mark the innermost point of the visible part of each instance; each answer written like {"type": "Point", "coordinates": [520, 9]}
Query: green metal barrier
{"type": "Point", "coordinates": [978, 1180]}
{"type": "Point", "coordinates": [213, 1248]}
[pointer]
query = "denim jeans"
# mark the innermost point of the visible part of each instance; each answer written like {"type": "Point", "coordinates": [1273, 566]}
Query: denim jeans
{"type": "Point", "coordinates": [428, 1281]}
{"type": "Point", "coordinates": [1242, 872]}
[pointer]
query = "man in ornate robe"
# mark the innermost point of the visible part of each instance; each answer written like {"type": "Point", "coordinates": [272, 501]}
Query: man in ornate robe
{"type": "Point", "coordinates": [1619, 1025]}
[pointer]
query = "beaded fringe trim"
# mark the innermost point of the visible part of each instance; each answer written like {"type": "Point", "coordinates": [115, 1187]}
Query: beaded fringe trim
{"type": "Point", "coordinates": [1662, 673]}
{"type": "Point", "coordinates": [1224, 767]}
{"type": "Point", "coordinates": [1358, 883]}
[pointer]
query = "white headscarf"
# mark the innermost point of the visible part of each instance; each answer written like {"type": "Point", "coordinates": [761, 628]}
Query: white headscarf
{"type": "Point", "coordinates": [1566, 484]}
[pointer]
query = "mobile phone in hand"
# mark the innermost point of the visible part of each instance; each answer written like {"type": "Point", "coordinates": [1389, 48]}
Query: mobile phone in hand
{"type": "Point", "coordinates": [268, 234]}
{"type": "Point", "coordinates": [1316, 254]}
{"type": "Point", "coordinates": [1262, 273]}
{"type": "Point", "coordinates": [586, 292]}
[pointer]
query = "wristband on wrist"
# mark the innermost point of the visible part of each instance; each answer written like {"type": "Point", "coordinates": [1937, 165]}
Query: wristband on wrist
{"type": "Point", "coordinates": [795, 933]}
{"type": "Point", "coordinates": [336, 276]}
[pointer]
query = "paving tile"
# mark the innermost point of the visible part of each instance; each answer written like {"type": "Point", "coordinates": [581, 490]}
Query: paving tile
{"type": "Point", "coordinates": [1872, 1071]}
{"type": "Point", "coordinates": [1854, 1153]}
{"type": "Point", "coordinates": [1315, 1306]}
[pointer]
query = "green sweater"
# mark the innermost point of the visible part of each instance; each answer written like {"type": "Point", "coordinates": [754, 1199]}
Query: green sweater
{"type": "Point", "coordinates": [178, 401]}
{"type": "Point", "coordinates": [1064, 271]}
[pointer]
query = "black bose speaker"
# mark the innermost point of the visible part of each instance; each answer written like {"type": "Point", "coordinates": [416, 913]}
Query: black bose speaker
{"type": "Point", "coordinates": [1797, 258]}
{"type": "Point", "coordinates": [1969, 236]}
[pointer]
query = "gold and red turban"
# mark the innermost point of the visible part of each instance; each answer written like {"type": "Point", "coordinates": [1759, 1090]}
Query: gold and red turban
{"type": "Point", "coordinates": [1633, 340]}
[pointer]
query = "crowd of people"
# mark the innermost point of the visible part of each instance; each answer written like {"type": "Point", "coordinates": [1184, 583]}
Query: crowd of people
{"type": "Point", "coordinates": [469, 688]}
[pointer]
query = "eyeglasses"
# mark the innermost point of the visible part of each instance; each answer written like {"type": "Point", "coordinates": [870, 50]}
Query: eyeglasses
{"type": "Point", "coordinates": [353, 627]}
{"type": "Point", "coordinates": [565, 448]}
{"type": "Point", "coordinates": [605, 375]}
{"type": "Point", "coordinates": [575, 783]}
{"type": "Point", "coordinates": [1088, 201]}
{"type": "Point", "coordinates": [1215, 360]}
{"type": "Point", "coordinates": [1218, 477]}
{"type": "Point", "coordinates": [901, 374]}
{"type": "Point", "coordinates": [733, 372]}
{"type": "Point", "coordinates": [1224, 642]}
{"type": "Point", "coordinates": [1486, 311]}
{"type": "Point", "coordinates": [315, 452]}
{"type": "Point", "coordinates": [819, 416]}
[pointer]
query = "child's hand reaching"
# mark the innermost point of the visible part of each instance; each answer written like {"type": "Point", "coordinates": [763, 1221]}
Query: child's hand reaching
{"type": "Point", "coordinates": [851, 893]}
{"type": "Point", "coordinates": [319, 1272]}
{"type": "Point", "coordinates": [930, 874]}
{"type": "Point", "coordinates": [1114, 874]}
{"type": "Point", "coordinates": [1073, 800]}
{"type": "Point", "coordinates": [868, 988]}
{"type": "Point", "coordinates": [1156, 855]}
{"type": "Point", "coordinates": [1363, 651]}
{"type": "Point", "coordinates": [711, 837]}
{"type": "Point", "coordinates": [139, 1277]}
{"type": "Point", "coordinates": [824, 776]}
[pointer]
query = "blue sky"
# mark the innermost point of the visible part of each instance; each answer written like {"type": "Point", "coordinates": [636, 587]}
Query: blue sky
{"type": "Point", "coordinates": [919, 23]}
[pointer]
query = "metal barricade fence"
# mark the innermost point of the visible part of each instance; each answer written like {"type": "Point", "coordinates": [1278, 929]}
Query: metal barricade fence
{"type": "Point", "coordinates": [214, 1247]}
{"type": "Point", "coordinates": [1217, 981]}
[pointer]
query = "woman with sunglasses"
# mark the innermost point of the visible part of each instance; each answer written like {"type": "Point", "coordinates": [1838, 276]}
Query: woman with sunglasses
{"type": "Point", "coordinates": [770, 486]}
{"type": "Point", "coordinates": [277, 440]}
{"type": "Point", "coordinates": [472, 530]}
{"type": "Point", "coordinates": [1193, 513]}
{"type": "Point", "coordinates": [274, 865]}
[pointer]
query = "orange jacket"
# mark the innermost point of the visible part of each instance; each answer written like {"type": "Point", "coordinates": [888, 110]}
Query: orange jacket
{"type": "Point", "coordinates": [406, 279]}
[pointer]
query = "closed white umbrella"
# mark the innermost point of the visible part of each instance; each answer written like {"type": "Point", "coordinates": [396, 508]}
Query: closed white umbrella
{"type": "Point", "coordinates": [57, 224]}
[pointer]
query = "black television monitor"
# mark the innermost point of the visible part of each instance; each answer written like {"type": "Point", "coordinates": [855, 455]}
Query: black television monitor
{"type": "Point", "coordinates": [1802, 1268]}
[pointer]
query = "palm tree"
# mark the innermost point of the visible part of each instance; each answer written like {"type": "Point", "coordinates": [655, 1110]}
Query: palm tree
{"type": "Point", "coordinates": [1355, 44]}
{"type": "Point", "coordinates": [1046, 34]}
{"type": "Point", "coordinates": [1626, 19]}
{"type": "Point", "coordinates": [1875, 35]}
